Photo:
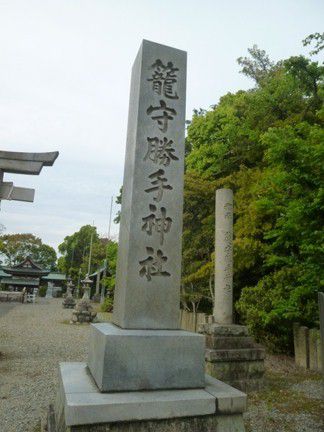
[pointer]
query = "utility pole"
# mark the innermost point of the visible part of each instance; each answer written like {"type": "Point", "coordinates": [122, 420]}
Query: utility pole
{"type": "Point", "coordinates": [90, 253]}
{"type": "Point", "coordinates": [110, 213]}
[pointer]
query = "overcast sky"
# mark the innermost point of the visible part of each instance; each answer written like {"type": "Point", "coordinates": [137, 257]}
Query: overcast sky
{"type": "Point", "coordinates": [64, 85]}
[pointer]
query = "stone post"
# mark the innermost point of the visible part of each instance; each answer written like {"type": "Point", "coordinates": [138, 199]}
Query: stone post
{"type": "Point", "coordinates": [102, 292]}
{"type": "Point", "coordinates": [223, 308]}
{"type": "Point", "coordinates": [321, 313]}
{"type": "Point", "coordinates": [97, 283]}
{"type": "Point", "coordinates": [231, 355]}
{"type": "Point", "coordinates": [49, 291]}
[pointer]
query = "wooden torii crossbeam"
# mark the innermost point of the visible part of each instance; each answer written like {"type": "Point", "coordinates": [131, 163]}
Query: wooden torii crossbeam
{"type": "Point", "coordinates": [22, 163]}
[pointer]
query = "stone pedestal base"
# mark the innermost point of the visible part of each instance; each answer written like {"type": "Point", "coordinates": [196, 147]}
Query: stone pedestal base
{"type": "Point", "coordinates": [131, 360]}
{"type": "Point", "coordinates": [232, 356]}
{"type": "Point", "coordinates": [81, 407]}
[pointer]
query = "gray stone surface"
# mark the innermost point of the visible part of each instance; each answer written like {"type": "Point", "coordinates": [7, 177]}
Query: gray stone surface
{"type": "Point", "coordinates": [149, 255]}
{"type": "Point", "coordinates": [210, 423]}
{"type": "Point", "coordinates": [314, 350]}
{"type": "Point", "coordinates": [228, 399]}
{"type": "Point", "coordinates": [301, 345]}
{"type": "Point", "coordinates": [10, 192]}
{"type": "Point", "coordinates": [321, 314]}
{"type": "Point", "coordinates": [229, 342]}
{"type": "Point", "coordinates": [79, 402]}
{"type": "Point", "coordinates": [242, 354]}
{"type": "Point", "coordinates": [49, 291]}
{"type": "Point", "coordinates": [223, 330]}
{"type": "Point", "coordinates": [223, 305]}
{"type": "Point", "coordinates": [229, 371]}
{"type": "Point", "coordinates": [233, 356]}
{"type": "Point", "coordinates": [21, 163]}
{"type": "Point", "coordinates": [126, 360]}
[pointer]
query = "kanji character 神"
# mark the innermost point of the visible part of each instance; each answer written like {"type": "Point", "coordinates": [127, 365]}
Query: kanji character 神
{"type": "Point", "coordinates": [160, 224]}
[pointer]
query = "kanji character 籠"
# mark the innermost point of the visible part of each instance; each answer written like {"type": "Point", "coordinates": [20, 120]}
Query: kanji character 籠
{"type": "Point", "coordinates": [164, 79]}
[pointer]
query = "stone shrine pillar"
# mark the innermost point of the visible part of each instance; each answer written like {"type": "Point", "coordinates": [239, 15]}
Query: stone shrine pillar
{"type": "Point", "coordinates": [102, 290]}
{"type": "Point", "coordinates": [223, 308]}
{"type": "Point", "coordinates": [321, 316]}
{"type": "Point", "coordinates": [144, 373]}
{"type": "Point", "coordinates": [231, 355]}
{"type": "Point", "coordinates": [49, 291]}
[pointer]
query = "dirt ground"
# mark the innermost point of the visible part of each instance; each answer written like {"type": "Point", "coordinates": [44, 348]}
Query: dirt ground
{"type": "Point", "coordinates": [35, 338]}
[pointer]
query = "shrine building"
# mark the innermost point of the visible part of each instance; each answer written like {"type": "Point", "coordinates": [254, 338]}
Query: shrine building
{"type": "Point", "coordinates": [29, 275]}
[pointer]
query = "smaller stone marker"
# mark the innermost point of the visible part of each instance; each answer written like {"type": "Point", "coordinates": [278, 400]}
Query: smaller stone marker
{"type": "Point", "coordinates": [223, 309]}
{"type": "Point", "coordinates": [321, 313]}
{"type": "Point", "coordinates": [231, 355]}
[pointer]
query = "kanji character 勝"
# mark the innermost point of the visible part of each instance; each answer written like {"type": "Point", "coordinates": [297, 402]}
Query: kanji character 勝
{"type": "Point", "coordinates": [166, 114]}
{"type": "Point", "coordinates": [152, 265]}
{"type": "Point", "coordinates": [160, 151]}
{"type": "Point", "coordinates": [160, 224]}
{"type": "Point", "coordinates": [159, 184]}
{"type": "Point", "coordinates": [164, 79]}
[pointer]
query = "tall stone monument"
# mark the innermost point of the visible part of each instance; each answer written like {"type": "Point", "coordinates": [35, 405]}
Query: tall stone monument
{"type": "Point", "coordinates": [141, 367]}
{"type": "Point", "coordinates": [231, 355]}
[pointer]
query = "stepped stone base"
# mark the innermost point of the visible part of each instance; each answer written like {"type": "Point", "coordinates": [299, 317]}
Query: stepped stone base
{"type": "Point", "coordinates": [81, 407]}
{"type": "Point", "coordinates": [232, 356]}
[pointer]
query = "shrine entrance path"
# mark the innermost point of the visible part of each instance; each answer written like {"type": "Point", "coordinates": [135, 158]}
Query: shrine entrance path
{"type": "Point", "coordinates": [6, 307]}
{"type": "Point", "coordinates": [34, 338]}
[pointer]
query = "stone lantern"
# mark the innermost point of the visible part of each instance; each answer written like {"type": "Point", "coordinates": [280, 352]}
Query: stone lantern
{"type": "Point", "coordinates": [69, 302]}
{"type": "Point", "coordinates": [86, 287]}
{"type": "Point", "coordinates": [83, 311]}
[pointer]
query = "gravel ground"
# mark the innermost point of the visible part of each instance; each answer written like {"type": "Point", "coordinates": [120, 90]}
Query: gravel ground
{"type": "Point", "coordinates": [292, 399]}
{"type": "Point", "coordinates": [35, 338]}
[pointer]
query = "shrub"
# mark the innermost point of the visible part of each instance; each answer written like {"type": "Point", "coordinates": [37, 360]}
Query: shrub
{"type": "Point", "coordinates": [42, 291]}
{"type": "Point", "coordinates": [107, 305]}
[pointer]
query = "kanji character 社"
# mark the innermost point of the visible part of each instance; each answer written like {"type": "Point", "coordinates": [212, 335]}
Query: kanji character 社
{"type": "Point", "coordinates": [152, 265]}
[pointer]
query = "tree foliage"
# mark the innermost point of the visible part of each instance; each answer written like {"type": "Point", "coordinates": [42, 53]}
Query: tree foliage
{"type": "Point", "coordinates": [75, 251]}
{"type": "Point", "coordinates": [267, 145]}
{"type": "Point", "coordinates": [17, 247]}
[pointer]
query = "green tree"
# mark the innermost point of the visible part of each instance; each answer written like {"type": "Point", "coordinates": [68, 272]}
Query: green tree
{"type": "Point", "coordinates": [17, 247]}
{"type": "Point", "coordinates": [267, 145]}
{"type": "Point", "coordinates": [198, 244]}
{"type": "Point", "coordinates": [75, 250]}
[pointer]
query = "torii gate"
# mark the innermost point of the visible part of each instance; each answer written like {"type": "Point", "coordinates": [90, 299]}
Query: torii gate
{"type": "Point", "coordinates": [22, 163]}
